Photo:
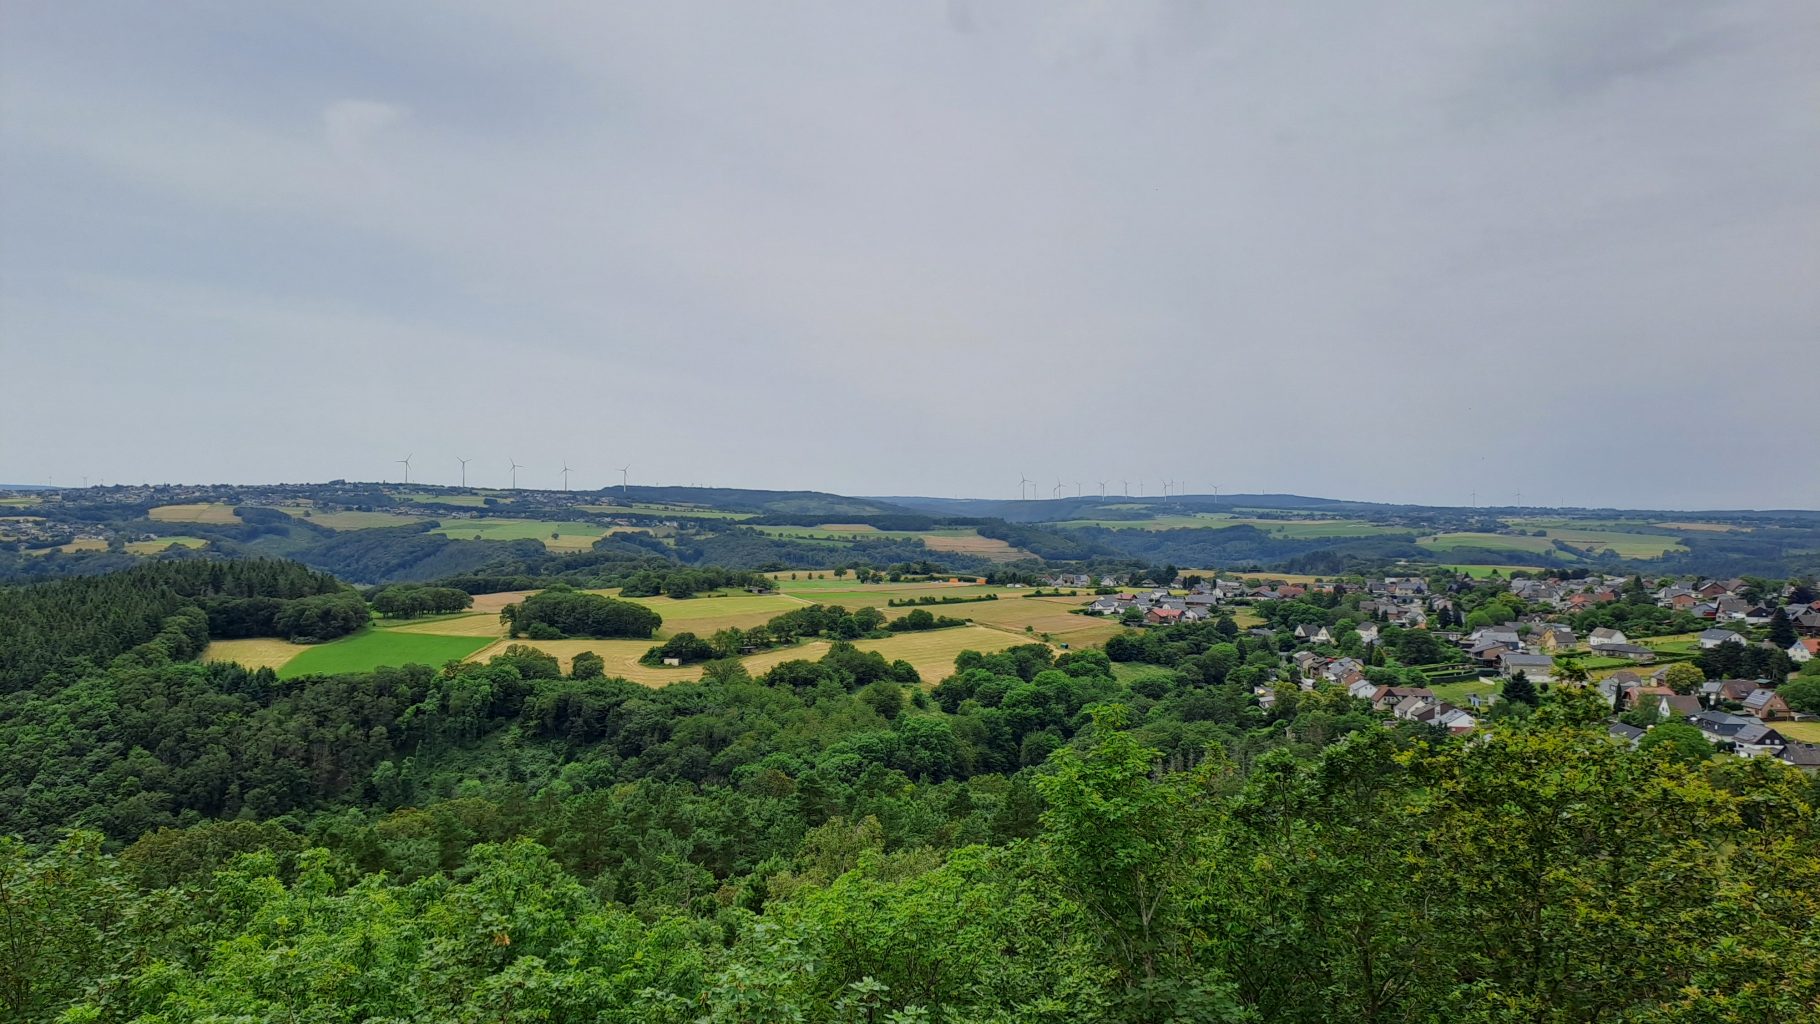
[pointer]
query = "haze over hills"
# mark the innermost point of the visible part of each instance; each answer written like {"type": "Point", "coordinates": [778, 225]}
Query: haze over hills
{"type": "Point", "coordinates": [373, 533]}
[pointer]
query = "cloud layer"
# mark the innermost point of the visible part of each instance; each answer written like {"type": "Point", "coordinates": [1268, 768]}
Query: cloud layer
{"type": "Point", "coordinates": [1402, 253]}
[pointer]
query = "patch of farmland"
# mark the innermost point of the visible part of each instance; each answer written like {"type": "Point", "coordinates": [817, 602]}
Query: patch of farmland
{"type": "Point", "coordinates": [667, 511]}
{"type": "Point", "coordinates": [1489, 542]}
{"type": "Point", "coordinates": [557, 536]}
{"type": "Point", "coordinates": [1706, 527]}
{"type": "Point", "coordinates": [253, 652]}
{"type": "Point", "coordinates": [199, 512]}
{"type": "Point", "coordinates": [1053, 615]}
{"type": "Point", "coordinates": [969, 542]}
{"type": "Point", "coordinates": [933, 652]}
{"type": "Point", "coordinates": [372, 648]}
{"type": "Point", "coordinates": [152, 547]}
{"type": "Point", "coordinates": [1802, 732]}
{"type": "Point", "coordinates": [485, 624]}
{"type": "Point", "coordinates": [705, 614]}
{"type": "Point", "coordinates": [352, 519]}
{"type": "Point", "coordinates": [619, 658]}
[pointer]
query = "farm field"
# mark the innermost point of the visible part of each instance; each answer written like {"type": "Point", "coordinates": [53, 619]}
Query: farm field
{"type": "Point", "coordinates": [201, 512]}
{"type": "Point", "coordinates": [21, 501]}
{"type": "Point", "coordinates": [152, 547]}
{"type": "Point", "coordinates": [1488, 541]}
{"type": "Point", "coordinates": [1053, 615]}
{"type": "Point", "coordinates": [668, 511]}
{"type": "Point", "coordinates": [969, 542]}
{"type": "Point", "coordinates": [932, 653]}
{"type": "Point", "coordinates": [1804, 732]}
{"type": "Point", "coordinates": [1460, 694]}
{"type": "Point", "coordinates": [1290, 529]}
{"type": "Point", "coordinates": [1626, 544]}
{"type": "Point", "coordinates": [352, 519]}
{"type": "Point", "coordinates": [84, 544]}
{"type": "Point", "coordinates": [1706, 527]}
{"type": "Point", "coordinates": [372, 648]}
{"type": "Point", "coordinates": [253, 652]}
{"type": "Point", "coordinates": [620, 658]}
{"type": "Point", "coordinates": [470, 500]}
{"type": "Point", "coordinates": [569, 536]}
{"type": "Point", "coordinates": [704, 615]}
{"type": "Point", "coordinates": [484, 624]}
{"type": "Point", "coordinates": [963, 540]}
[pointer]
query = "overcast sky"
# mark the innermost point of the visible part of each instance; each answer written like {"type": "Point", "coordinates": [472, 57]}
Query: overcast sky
{"type": "Point", "coordinates": [1395, 252]}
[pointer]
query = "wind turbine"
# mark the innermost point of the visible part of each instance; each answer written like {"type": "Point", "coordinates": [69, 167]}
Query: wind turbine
{"type": "Point", "coordinates": [1077, 488]}
{"type": "Point", "coordinates": [1058, 488]}
{"type": "Point", "coordinates": [515, 468]}
{"type": "Point", "coordinates": [1127, 484]}
{"type": "Point", "coordinates": [1022, 482]}
{"type": "Point", "coordinates": [407, 466]}
{"type": "Point", "coordinates": [1102, 488]}
{"type": "Point", "coordinates": [464, 469]}
{"type": "Point", "coordinates": [624, 477]}
{"type": "Point", "coordinates": [565, 474]}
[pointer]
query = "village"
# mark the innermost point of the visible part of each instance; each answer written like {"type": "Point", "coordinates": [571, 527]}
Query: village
{"type": "Point", "coordinates": [1647, 676]}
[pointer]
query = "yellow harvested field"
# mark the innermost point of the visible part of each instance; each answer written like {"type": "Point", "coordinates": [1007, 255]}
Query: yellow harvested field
{"type": "Point", "coordinates": [621, 658]}
{"type": "Point", "coordinates": [933, 653]}
{"type": "Point", "coordinates": [255, 652]}
{"type": "Point", "coordinates": [470, 624]}
{"type": "Point", "coordinates": [706, 614]}
{"type": "Point", "coordinates": [353, 519]}
{"type": "Point", "coordinates": [492, 603]}
{"type": "Point", "coordinates": [848, 528]}
{"type": "Point", "coordinates": [202, 512]}
{"type": "Point", "coordinates": [152, 547]}
{"type": "Point", "coordinates": [1705, 527]}
{"type": "Point", "coordinates": [1053, 615]}
{"type": "Point", "coordinates": [974, 544]}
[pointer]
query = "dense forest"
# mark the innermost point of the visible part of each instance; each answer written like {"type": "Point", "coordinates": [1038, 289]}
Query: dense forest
{"type": "Point", "coordinates": [1037, 837]}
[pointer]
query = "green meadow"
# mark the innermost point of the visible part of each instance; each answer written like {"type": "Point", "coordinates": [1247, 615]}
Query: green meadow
{"type": "Point", "coordinates": [369, 649]}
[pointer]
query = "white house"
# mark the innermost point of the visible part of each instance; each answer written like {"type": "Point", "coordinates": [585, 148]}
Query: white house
{"type": "Point", "coordinates": [1714, 637]}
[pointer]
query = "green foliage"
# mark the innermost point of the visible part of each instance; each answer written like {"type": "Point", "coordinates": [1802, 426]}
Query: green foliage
{"type": "Point", "coordinates": [563, 612]}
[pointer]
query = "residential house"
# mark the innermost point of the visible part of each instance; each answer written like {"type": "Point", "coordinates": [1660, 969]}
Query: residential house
{"type": "Point", "coordinates": [1712, 638]}
{"type": "Point", "coordinates": [1805, 756]}
{"type": "Point", "coordinates": [1606, 635]}
{"type": "Point", "coordinates": [1539, 668]}
{"type": "Point", "coordinates": [1554, 638]}
{"type": "Point", "coordinates": [1387, 697]}
{"type": "Point", "coordinates": [1628, 733]}
{"type": "Point", "coordinates": [1313, 633]}
{"type": "Point", "coordinates": [1160, 616]}
{"type": "Point", "coordinates": [1747, 737]}
{"type": "Point", "coordinates": [1767, 705]}
{"type": "Point", "coordinates": [1804, 649]}
{"type": "Point", "coordinates": [1632, 652]}
{"type": "Point", "coordinates": [1368, 632]}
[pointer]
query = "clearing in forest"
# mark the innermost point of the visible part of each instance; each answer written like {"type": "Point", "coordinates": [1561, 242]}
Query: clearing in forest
{"type": "Point", "coordinates": [201, 512]}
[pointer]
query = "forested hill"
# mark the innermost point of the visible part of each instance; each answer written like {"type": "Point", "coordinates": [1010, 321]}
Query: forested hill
{"type": "Point", "coordinates": [1039, 836]}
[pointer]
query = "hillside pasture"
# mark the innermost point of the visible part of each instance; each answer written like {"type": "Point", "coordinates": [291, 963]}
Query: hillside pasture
{"type": "Point", "coordinates": [555, 535]}
{"type": "Point", "coordinates": [1801, 732]}
{"type": "Point", "coordinates": [1706, 527]}
{"type": "Point", "coordinates": [1489, 542]}
{"type": "Point", "coordinates": [152, 547]}
{"type": "Point", "coordinates": [352, 519]}
{"type": "Point", "coordinates": [666, 511]}
{"type": "Point", "coordinates": [969, 542]}
{"type": "Point", "coordinates": [213, 513]}
{"type": "Point", "coordinates": [372, 648]}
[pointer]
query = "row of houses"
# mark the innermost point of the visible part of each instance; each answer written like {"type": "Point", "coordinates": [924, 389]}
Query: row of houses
{"type": "Point", "coordinates": [1742, 735]}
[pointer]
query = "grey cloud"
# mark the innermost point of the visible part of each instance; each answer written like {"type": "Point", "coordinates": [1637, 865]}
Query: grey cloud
{"type": "Point", "coordinates": [1395, 253]}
